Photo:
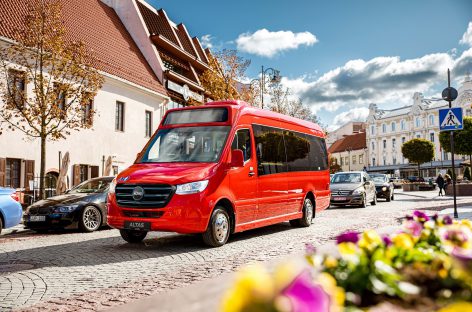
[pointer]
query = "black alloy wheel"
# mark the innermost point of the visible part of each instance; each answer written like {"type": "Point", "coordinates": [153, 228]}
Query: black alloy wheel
{"type": "Point", "coordinates": [132, 236]}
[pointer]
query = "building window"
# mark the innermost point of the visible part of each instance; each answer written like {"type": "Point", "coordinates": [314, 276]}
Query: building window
{"type": "Point", "coordinates": [372, 130]}
{"type": "Point", "coordinates": [373, 162]}
{"type": "Point", "coordinates": [16, 84]}
{"type": "Point", "coordinates": [418, 136]}
{"type": "Point", "coordinates": [115, 170]}
{"type": "Point", "coordinates": [394, 160]}
{"type": "Point", "coordinates": [87, 109]}
{"type": "Point", "coordinates": [418, 122]}
{"type": "Point", "coordinates": [394, 126]}
{"type": "Point", "coordinates": [119, 116]}
{"type": "Point", "coordinates": [361, 159]}
{"type": "Point", "coordinates": [373, 145]}
{"type": "Point", "coordinates": [148, 115]}
{"type": "Point", "coordinates": [431, 137]}
{"type": "Point", "coordinates": [403, 124]}
{"type": "Point", "coordinates": [384, 160]}
{"type": "Point", "coordinates": [394, 143]}
{"type": "Point", "coordinates": [384, 128]}
{"type": "Point", "coordinates": [431, 120]}
{"type": "Point", "coordinates": [384, 144]}
{"type": "Point", "coordinates": [403, 140]}
{"type": "Point", "coordinates": [354, 160]}
{"type": "Point", "coordinates": [346, 161]}
{"type": "Point", "coordinates": [13, 173]}
{"type": "Point", "coordinates": [342, 161]}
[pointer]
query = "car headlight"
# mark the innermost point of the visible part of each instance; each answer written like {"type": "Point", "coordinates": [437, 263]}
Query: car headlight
{"type": "Point", "coordinates": [68, 208]}
{"type": "Point", "coordinates": [384, 188]}
{"type": "Point", "coordinates": [358, 191]}
{"type": "Point", "coordinates": [111, 188]}
{"type": "Point", "coordinates": [191, 188]}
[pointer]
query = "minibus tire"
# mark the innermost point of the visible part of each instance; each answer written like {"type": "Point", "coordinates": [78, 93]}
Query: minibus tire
{"type": "Point", "coordinates": [133, 237]}
{"type": "Point", "coordinates": [210, 236]}
{"type": "Point", "coordinates": [305, 220]}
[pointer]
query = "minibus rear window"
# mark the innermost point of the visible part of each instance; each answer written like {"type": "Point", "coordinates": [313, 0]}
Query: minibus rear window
{"type": "Point", "coordinates": [202, 115]}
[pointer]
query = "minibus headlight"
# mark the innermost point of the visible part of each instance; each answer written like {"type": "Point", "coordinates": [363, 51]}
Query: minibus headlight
{"type": "Point", "coordinates": [111, 188]}
{"type": "Point", "coordinates": [191, 188]}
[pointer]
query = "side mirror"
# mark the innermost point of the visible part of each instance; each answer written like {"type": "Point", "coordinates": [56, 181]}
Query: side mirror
{"type": "Point", "coordinates": [237, 158]}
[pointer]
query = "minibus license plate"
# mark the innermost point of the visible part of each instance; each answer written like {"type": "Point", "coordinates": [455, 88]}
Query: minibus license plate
{"type": "Point", "coordinates": [339, 198]}
{"type": "Point", "coordinates": [37, 218]}
{"type": "Point", "coordinates": [142, 226]}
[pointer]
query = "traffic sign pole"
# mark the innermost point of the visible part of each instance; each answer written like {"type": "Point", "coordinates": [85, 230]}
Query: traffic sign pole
{"type": "Point", "coordinates": [456, 215]}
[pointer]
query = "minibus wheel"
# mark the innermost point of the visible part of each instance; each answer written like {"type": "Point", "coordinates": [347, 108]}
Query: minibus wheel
{"type": "Point", "coordinates": [219, 228]}
{"type": "Point", "coordinates": [308, 215]}
{"type": "Point", "coordinates": [132, 236]}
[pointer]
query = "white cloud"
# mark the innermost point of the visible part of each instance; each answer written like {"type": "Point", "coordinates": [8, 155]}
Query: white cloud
{"type": "Point", "coordinates": [467, 37]}
{"type": "Point", "coordinates": [269, 43]}
{"type": "Point", "coordinates": [354, 114]}
{"type": "Point", "coordinates": [206, 41]}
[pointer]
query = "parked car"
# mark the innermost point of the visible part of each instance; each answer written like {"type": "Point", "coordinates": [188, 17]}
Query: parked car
{"type": "Point", "coordinates": [383, 186]}
{"type": "Point", "coordinates": [415, 179]}
{"type": "Point", "coordinates": [397, 182]}
{"type": "Point", "coordinates": [84, 207]}
{"type": "Point", "coordinates": [10, 208]}
{"type": "Point", "coordinates": [354, 188]}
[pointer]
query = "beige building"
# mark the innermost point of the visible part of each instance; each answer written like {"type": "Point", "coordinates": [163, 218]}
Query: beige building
{"type": "Point", "coordinates": [352, 127]}
{"type": "Point", "coordinates": [387, 130]}
{"type": "Point", "coordinates": [350, 152]}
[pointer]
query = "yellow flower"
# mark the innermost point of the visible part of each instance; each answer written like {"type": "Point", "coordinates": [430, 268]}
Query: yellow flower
{"type": "Point", "coordinates": [330, 262]}
{"type": "Point", "coordinates": [369, 240]}
{"type": "Point", "coordinates": [284, 274]}
{"type": "Point", "coordinates": [336, 293]}
{"type": "Point", "coordinates": [347, 249]}
{"type": "Point", "coordinates": [461, 306]}
{"type": "Point", "coordinates": [403, 240]}
{"type": "Point", "coordinates": [467, 223]}
{"type": "Point", "coordinates": [252, 282]}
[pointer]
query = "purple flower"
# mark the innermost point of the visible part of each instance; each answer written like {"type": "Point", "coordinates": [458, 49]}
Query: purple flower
{"type": "Point", "coordinates": [310, 249]}
{"type": "Point", "coordinates": [413, 227]}
{"type": "Point", "coordinates": [387, 241]}
{"type": "Point", "coordinates": [464, 257]}
{"type": "Point", "coordinates": [435, 217]}
{"type": "Point", "coordinates": [305, 296]}
{"type": "Point", "coordinates": [447, 220]}
{"type": "Point", "coordinates": [348, 237]}
{"type": "Point", "coordinates": [420, 216]}
{"type": "Point", "coordinates": [409, 218]}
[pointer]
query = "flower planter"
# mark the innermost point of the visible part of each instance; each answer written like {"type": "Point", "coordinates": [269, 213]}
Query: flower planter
{"type": "Point", "coordinates": [415, 187]}
{"type": "Point", "coordinates": [462, 189]}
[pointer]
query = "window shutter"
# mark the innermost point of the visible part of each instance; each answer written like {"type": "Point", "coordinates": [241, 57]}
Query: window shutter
{"type": "Point", "coordinates": [94, 171]}
{"type": "Point", "coordinates": [76, 175]}
{"type": "Point", "coordinates": [3, 165]}
{"type": "Point", "coordinates": [29, 173]}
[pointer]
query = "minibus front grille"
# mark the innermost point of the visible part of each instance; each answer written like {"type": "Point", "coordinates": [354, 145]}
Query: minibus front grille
{"type": "Point", "coordinates": [155, 195]}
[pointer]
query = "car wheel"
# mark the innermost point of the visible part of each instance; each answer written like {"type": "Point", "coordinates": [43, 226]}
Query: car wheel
{"type": "Point", "coordinates": [389, 197]}
{"type": "Point", "coordinates": [218, 230]}
{"type": "Point", "coordinates": [132, 236]}
{"type": "Point", "coordinates": [90, 219]}
{"type": "Point", "coordinates": [308, 215]}
{"type": "Point", "coordinates": [41, 231]}
{"type": "Point", "coordinates": [392, 195]}
{"type": "Point", "coordinates": [1, 225]}
{"type": "Point", "coordinates": [374, 201]}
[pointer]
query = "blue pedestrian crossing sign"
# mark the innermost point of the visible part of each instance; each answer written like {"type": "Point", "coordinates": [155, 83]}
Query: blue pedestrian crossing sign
{"type": "Point", "coordinates": [450, 119]}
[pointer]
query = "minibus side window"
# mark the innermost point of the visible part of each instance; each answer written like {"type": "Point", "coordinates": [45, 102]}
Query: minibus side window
{"type": "Point", "coordinates": [242, 141]}
{"type": "Point", "coordinates": [298, 147]}
{"type": "Point", "coordinates": [270, 145]}
{"type": "Point", "coordinates": [317, 155]}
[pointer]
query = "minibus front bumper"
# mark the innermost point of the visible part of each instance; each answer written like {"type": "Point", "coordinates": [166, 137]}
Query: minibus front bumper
{"type": "Point", "coordinates": [183, 214]}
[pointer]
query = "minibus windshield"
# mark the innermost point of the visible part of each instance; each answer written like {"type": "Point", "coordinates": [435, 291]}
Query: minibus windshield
{"type": "Point", "coordinates": [187, 144]}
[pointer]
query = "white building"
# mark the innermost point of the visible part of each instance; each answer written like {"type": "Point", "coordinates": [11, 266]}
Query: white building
{"type": "Point", "coordinates": [129, 105]}
{"type": "Point", "coordinates": [387, 130]}
{"type": "Point", "coordinates": [350, 128]}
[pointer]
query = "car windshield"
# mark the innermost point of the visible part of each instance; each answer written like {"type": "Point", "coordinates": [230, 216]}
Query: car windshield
{"type": "Point", "coordinates": [346, 178]}
{"type": "Point", "coordinates": [378, 178]}
{"type": "Point", "coordinates": [187, 144]}
{"type": "Point", "coordinates": [91, 186]}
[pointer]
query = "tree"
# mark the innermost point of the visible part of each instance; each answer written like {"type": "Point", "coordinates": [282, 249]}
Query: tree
{"type": "Point", "coordinates": [462, 139]}
{"type": "Point", "coordinates": [61, 75]}
{"type": "Point", "coordinates": [223, 79]}
{"type": "Point", "coordinates": [333, 165]}
{"type": "Point", "coordinates": [418, 151]}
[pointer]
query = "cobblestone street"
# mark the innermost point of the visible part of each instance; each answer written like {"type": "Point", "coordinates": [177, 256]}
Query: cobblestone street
{"type": "Point", "coordinates": [72, 271]}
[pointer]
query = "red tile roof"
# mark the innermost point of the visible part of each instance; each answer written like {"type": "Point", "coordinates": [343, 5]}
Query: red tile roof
{"type": "Point", "coordinates": [350, 142]}
{"type": "Point", "coordinates": [102, 31]}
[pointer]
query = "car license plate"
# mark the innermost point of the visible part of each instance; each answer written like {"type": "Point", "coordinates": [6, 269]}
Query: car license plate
{"type": "Point", "coordinates": [339, 198]}
{"type": "Point", "coordinates": [141, 226]}
{"type": "Point", "coordinates": [37, 218]}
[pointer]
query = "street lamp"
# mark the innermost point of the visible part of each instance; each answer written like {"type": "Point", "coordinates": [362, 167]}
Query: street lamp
{"type": "Point", "coordinates": [274, 76]}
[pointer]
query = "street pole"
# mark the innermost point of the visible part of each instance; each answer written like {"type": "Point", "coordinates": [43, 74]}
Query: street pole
{"type": "Point", "coordinates": [456, 215]}
{"type": "Point", "coordinates": [262, 87]}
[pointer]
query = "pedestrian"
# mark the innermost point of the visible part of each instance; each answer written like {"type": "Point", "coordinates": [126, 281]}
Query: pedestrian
{"type": "Point", "coordinates": [448, 180]}
{"type": "Point", "coordinates": [440, 182]}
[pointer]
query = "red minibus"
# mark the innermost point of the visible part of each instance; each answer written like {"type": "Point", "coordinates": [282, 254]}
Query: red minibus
{"type": "Point", "coordinates": [222, 168]}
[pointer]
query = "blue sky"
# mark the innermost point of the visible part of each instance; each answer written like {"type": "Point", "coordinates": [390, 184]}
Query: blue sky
{"type": "Point", "coordinates": [339, 56]}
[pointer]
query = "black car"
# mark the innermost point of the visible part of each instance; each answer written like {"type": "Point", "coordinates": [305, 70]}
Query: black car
{"type": "Point", "coordinates": [383, 186]}
{"type": "Point", "coordinates": [84, 207]}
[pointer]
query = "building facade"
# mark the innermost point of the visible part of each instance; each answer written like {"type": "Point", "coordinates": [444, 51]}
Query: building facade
{"type": "Point", "coordinates": [387, 130]}
{"type": "Point", "coordinates": [347, 129]}
{"type": "Point", "coordinates": [149, 64]}
{"type": "Point", "coordinates": [350, 152]}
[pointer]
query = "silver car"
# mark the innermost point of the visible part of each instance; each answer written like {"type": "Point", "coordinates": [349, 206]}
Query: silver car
{"type": "Point", "coordinates": [354, 188]}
